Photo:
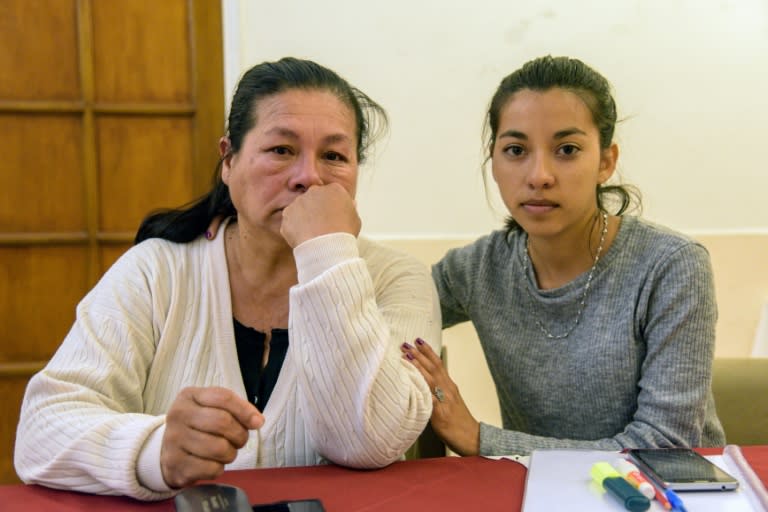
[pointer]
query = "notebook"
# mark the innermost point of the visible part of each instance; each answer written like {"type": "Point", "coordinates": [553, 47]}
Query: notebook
{"type": "Point", "coordinates": [560, 480]}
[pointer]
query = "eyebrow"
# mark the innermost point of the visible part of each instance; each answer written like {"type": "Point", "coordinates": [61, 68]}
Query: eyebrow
{"type": "Point", "coordinates": [286, 132]}
{"type": "Point", "coordinates": [558, 135]}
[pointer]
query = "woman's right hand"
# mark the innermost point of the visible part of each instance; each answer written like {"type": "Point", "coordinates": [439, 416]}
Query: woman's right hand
{"type": "Point", "coordinates": [451, 418]}
{"type": "Point", "coordinates": [204, 429]}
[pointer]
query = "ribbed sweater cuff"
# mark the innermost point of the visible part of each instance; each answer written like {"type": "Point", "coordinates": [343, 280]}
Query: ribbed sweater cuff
{"type": "Point", "coordinates": [319, 254]}
{"type": "Point", "coordinates": [148, 470]}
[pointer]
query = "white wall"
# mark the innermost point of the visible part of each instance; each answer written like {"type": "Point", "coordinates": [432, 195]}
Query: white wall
{"type": "Point", "coordinates": [691, 79]}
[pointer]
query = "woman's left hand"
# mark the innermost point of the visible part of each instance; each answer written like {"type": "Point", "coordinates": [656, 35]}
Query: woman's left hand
{"type": "Point", "coordinates": [451, 418]}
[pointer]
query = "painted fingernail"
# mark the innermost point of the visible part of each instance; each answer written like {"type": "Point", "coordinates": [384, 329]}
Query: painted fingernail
{"type": "Point", "coordinates": [420, 341]}
{"type": "Point", "coordinates": [409, 356]}
{"type": "Point", "coordinates": [407, 346]}
{"type": "Point", "coordinates": [208, 235]}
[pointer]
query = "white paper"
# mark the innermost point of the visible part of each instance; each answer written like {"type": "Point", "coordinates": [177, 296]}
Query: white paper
{"type": "Point", "coordinates": [560, 480]}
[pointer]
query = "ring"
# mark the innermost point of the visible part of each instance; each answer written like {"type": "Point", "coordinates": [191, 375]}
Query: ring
{"type": "Point", "coordinates": [439, 394]}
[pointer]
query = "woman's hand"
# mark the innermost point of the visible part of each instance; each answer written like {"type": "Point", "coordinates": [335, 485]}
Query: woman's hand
{"type": "Point", "coordinates": [451, 418]}
{"type": "Point", "coordinates": [204, 428]}
{"type": "Point", "coordinates": [321, 210]}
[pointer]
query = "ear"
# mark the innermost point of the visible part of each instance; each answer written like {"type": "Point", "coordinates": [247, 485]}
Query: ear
{"type": "Point", "coordinates": [608, 159]}
{"type": "Point", "coordinates": [225, 151]}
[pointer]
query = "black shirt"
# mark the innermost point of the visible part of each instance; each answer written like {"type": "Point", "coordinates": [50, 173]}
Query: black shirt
{"type": "Point", "coordinates": [259, 382]}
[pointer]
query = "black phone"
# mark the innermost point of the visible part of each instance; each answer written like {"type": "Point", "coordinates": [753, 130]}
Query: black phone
{"type": "Point", "coordinates": [312, 505]}
{"type": "Point", "coordinates": [208, 497]}
{"type": "Point", "coordinates": [228, 498]}
{"type": "Point", "coordinates": [682, 469]}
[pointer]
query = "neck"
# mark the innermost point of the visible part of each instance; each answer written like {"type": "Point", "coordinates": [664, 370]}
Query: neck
{"type": "Point", "coordinates": [259, 262]}
{"type": "Point", "coordinates": [559, 260]}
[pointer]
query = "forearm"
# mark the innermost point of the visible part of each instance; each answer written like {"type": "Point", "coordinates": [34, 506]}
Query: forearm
{"type": "Point", "coordinates": [367, 405]}
{"type": "Point", "coordinates": [80, 445]}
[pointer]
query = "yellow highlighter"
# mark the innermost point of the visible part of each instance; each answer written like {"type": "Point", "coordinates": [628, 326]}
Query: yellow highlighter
{"type": "Point", "coordinates": [606, 476]}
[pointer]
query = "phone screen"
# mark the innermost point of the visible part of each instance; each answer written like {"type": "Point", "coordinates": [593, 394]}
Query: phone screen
{"type": "Point", "coordinates": [683, 469]}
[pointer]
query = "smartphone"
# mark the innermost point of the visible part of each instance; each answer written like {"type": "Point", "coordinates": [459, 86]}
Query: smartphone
{"type": "Point", "coordinates": [682, 469]}
{"type": "Point", "coordinates": [291, 506]}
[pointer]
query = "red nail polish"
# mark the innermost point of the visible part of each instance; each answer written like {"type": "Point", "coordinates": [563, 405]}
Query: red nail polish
{"type": "Point", "coordinates": [407, 346]}
{"type": "Point", "coordinates": [420, 341]}
{"type": "Point", "coordinates": [409, 356]}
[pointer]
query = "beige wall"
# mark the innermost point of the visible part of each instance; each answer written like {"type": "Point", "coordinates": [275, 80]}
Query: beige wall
{"type": "Point", "coordinates": [741, 281]}
{"type": "Point", "coordinates": [689, 80]}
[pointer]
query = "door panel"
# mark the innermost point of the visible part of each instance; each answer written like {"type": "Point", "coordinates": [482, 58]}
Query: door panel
{"type": "Point", "coordinates": [141, 52]}
{"type": "Point", "coordinates": [108, 109]}
{"type": "Point", "coordinates": [144, 164]}
{"type": "Point", "coordinates": [41, 185]}
{"type": "Point", "coordinates": [38, 67]}
{"type": "Point", "coordinates": [41, 287]}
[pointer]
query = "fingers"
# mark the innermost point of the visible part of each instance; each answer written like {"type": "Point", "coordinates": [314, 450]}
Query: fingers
{"type": "Point", "coordinates": [424, 358]}
{"type": "Point", "coordinates": [427, 351]}
{"type": "Point", "coordinates": [322, 209]}
{"type": "Point", "coordinates": [429, 365]}
{"type": "Point", "coordinates": [205, 427]}
{"type": "Point", "coordinates": [451, 418]}
{"type": "Point", "coordinates": [225, 399]}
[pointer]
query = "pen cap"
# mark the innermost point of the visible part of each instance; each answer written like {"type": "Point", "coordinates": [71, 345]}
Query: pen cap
{"type": "Point", "coordinates": [632, 475]}
{"type": "Point", "coordinates": [632, 499]}
{"type": "Point", "coordinates": [624, 466]}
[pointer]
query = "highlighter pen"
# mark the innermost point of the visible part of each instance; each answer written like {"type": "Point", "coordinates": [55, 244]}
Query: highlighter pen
{"type": "Point", "coordinates": [635, 477]}
{"type": "Point", "coordinates": [606, 476]}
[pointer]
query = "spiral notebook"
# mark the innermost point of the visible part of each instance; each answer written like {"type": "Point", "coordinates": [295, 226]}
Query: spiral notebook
{"type": "Point", "coordinates": [560, 480]}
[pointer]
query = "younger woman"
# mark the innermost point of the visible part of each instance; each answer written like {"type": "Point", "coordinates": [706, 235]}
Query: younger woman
{"type": "Point", "coordinates": [598, 328]}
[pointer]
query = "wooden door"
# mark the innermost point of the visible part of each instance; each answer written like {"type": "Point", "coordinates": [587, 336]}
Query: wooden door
{"type": "Point", "coordinates": [108, 109]}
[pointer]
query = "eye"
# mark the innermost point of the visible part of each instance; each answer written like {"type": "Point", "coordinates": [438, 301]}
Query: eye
{"type": "Point", "coordinates": [568, 150]}
{"type": "Point", "coordinates": [333, 156]}
{"type": "Point", "coordinates": [514, 150]}
{"type": "Point", "coordinates": [280, 150]}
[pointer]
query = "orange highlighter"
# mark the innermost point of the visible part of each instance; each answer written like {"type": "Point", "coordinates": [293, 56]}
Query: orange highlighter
{"type": "Point", "coordinates": [633, 475]}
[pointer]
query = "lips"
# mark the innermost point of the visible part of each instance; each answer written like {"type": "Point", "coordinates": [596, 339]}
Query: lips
{"type": "Point", "coordinates": [540, 202]}
{"type": "Point", "coordinates": [539, 206]}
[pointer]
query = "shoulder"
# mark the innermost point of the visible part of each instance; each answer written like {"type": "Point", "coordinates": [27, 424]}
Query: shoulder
{"type": "Point", "coordinates": [491, 250]}
{"type": "Point", "coordinates": [156, 263]}
{"type": "Point", "coordinates": [379, 257]}
{"type": "Point", "coordinates": [659, 250]}
{"type": "Point", "coordinates": [645, 237]}
{"type": "Point", "coordinates": [154, 254]}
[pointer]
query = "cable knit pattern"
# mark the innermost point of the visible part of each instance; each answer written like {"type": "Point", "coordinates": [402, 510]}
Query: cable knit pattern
{"type": "Point", "coordinates": [635, 372]}
{"type": "Point", "coordinates": [161, 319]}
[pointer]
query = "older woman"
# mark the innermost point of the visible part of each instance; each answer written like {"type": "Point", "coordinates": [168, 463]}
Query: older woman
{"type": "Point", "coordinates": [276, 344]}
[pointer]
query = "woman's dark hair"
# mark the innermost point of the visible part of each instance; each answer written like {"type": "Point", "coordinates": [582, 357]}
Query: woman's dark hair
{"type": "Point", "coordinates": [545, 73]}
{"type": "Point", "coordinates": [261, 81]}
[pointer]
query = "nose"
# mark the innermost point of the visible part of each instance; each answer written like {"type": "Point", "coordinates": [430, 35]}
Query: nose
{"type": "Point", "coordinates": [540, 175]}
{"type": "Point", "coordinates": [306, 173]}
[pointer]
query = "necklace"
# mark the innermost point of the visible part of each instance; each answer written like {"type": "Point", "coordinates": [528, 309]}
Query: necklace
{"type": "Point", "coordinates": [583, 301]}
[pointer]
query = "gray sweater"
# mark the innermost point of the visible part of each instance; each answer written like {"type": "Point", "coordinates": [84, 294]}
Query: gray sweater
{"type": "Point", "coordinates": [635, 372]}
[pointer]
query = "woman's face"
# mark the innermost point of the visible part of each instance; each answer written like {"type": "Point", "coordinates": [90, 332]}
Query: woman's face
{"type": "Point", "coordinates": [547, 161]}
{"type": "Point", "coordinates": [300, 138]}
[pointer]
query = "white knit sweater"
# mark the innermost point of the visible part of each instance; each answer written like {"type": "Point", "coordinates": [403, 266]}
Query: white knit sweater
{"type": "Point", "coordinates": [161, 319]}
